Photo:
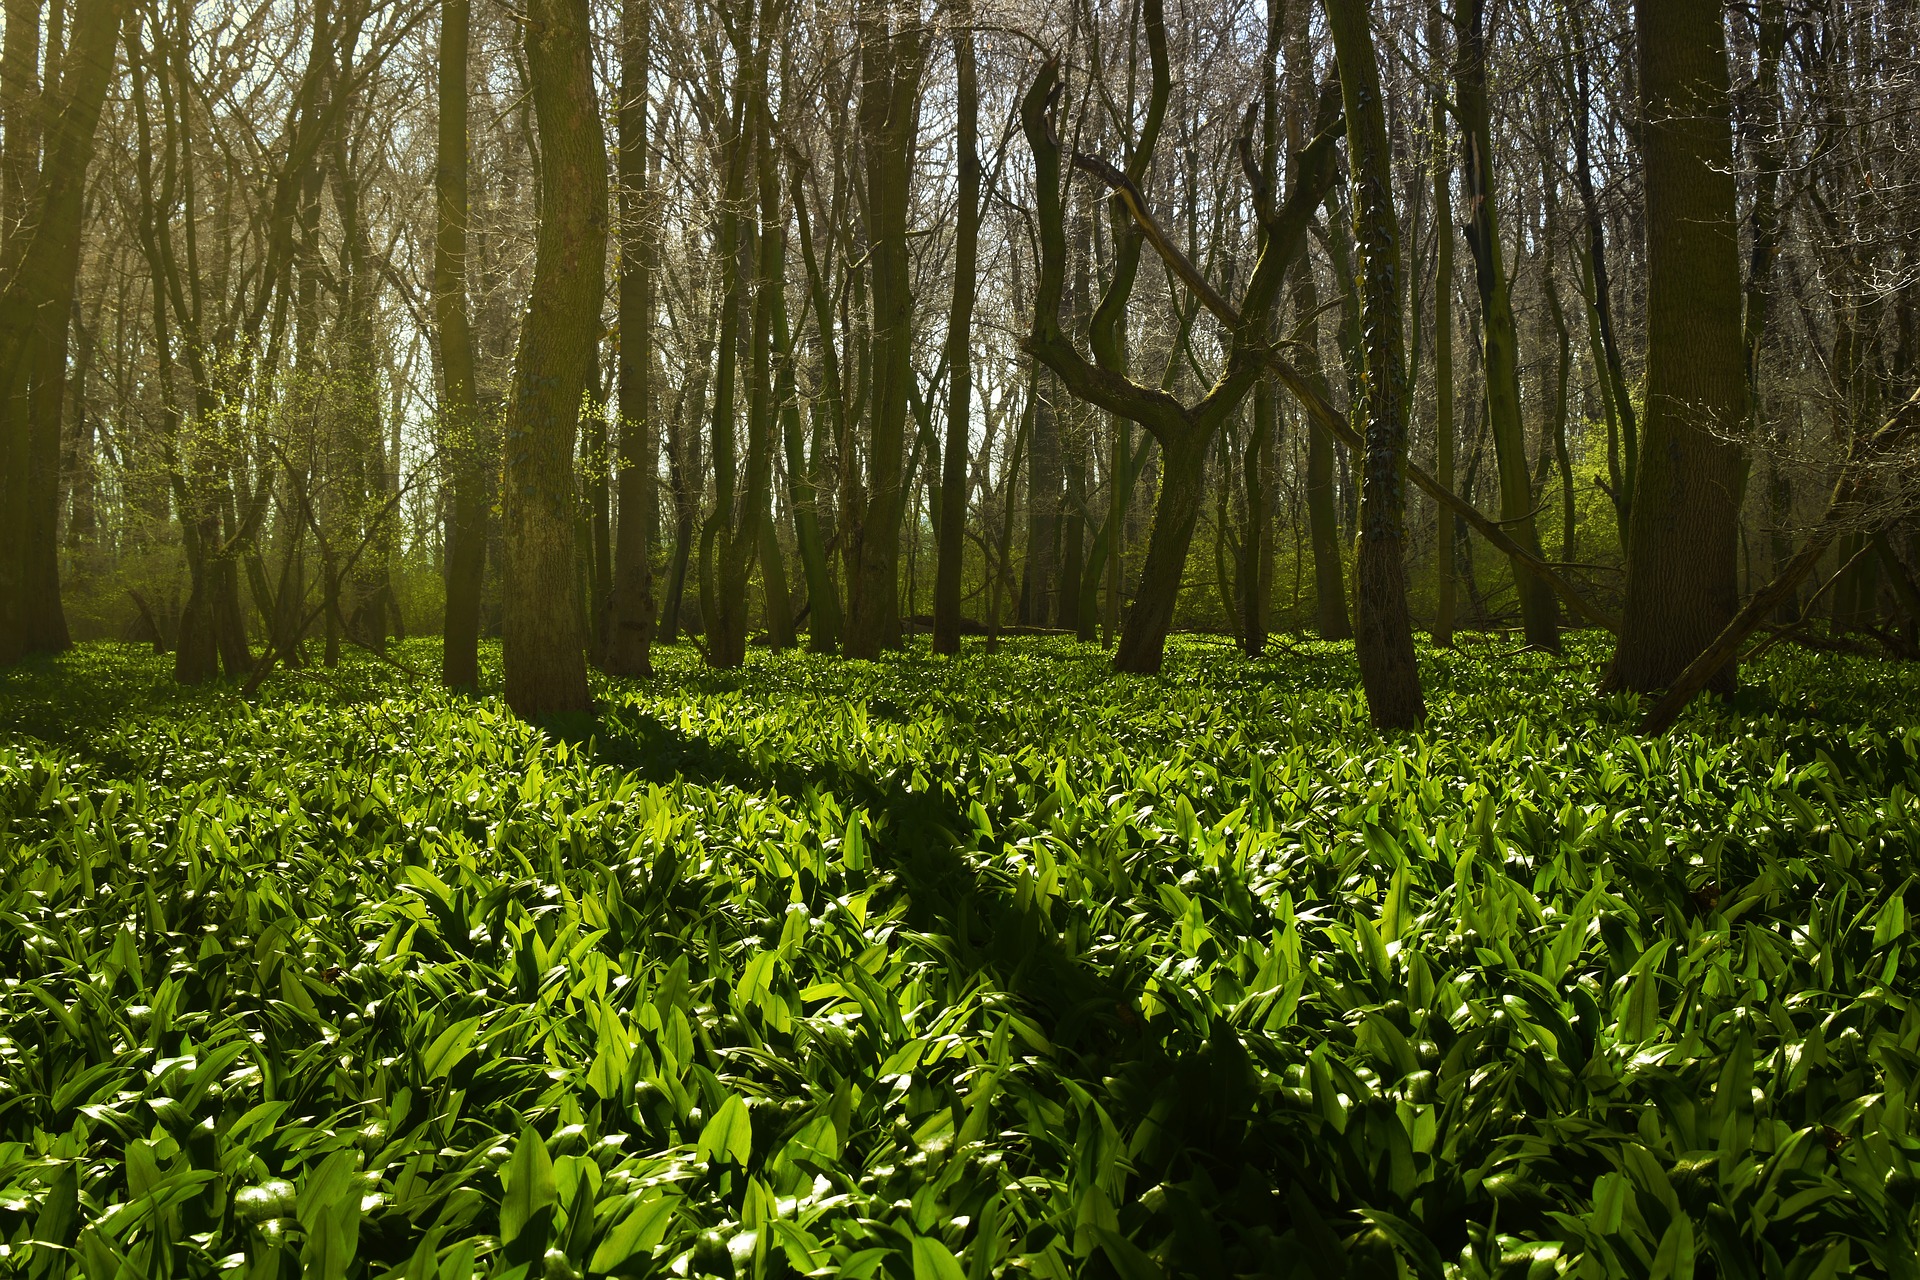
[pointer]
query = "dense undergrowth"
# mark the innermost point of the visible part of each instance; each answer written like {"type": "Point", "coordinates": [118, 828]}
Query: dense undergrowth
{"type": "Point", "coordinates": [948, 970]}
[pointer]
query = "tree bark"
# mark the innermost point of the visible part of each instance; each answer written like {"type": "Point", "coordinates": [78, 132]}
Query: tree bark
{"type": "Point", "coordinates": [1538, 612]}
{"type": "Point", "coordinates": [954, 454]}
{"type": "Point", "coordinates": [41, 260]}
{"type": "Point", "coordinates": [542, 644]}
{"type": "Point", "coordinates": [629, 624]}
{"type": "Point", "coordinates": [1444, 585]}
{"type": "Point", "coordinates": [1681, 588]}
{"type": "Point", "coordinates": [893, 56]}
{"type": "Point", "coordinates": [459, 405]}
{"type": "Point", "coordinates": [1383, 636]}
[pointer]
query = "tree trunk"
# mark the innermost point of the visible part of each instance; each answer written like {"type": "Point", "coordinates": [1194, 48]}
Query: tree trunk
{"type": "Point", "coordinates": [1323, 519]}
{"type": "Point", "coordinates": [1539, 613]}
{"type": "Point", "coordinates": [1443, 434]}
{"type": "Point", "coordinates": [803, 493]}
{"type": "Point", "coordinates": [892, 58]}
{"type": "Point", "coordinates": [629, 624]}
{"type": "Point", "coordinates": [1143, 638]}
{"type": "Point", "coordinates": [1383, 638]}
{"type": "Point", "coordinates": [459, 405]}
{"type": "Point", "coordinates": [542, 646]}
{"type": "Point", "coordinates": [43, 257]}
{"type": "Point", "coordinates": [1681, 587]}
{"type": "Point", "coordinates": [954, 454]}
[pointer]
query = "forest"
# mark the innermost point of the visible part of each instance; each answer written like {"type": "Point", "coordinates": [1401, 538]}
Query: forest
{"type": "Point", "coordinates": [945, 639]}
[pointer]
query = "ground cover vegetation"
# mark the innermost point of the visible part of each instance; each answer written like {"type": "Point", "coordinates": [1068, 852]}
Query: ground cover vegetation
{"type": "Point", "coordinates": [1262, 488]}
{"type": "Point", "coordinates": [955, 968]}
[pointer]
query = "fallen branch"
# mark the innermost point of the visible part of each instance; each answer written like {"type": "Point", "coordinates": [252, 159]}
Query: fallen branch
{"type": "Point", "coordinates": [1317, 405]}
{"type": "Point", "coordinates": [1844, 511]}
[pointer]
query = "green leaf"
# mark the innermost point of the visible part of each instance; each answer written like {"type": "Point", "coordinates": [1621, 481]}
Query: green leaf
{"type": "Point", "coordinates": [333, 1180]}
{"type": "Point", "coordinates": [1673, 1260]}
{"type": "Point", "coordinates": [728, 1135]}
{"type": "Point", "coordinates": [449, 1047]}
{"type": "Point", "coordinates": [932, 1261]}
{"type": "Point", "coordinates": [1128, 1258]}
{"type": "Point", "coordinates": [643, 1227]}
{"type": "Point", "coordinates": [528, 1186]}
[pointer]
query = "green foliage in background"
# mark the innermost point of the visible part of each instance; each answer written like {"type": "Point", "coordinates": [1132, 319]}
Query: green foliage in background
{"type": "Point", "coordinates": [940, 971]}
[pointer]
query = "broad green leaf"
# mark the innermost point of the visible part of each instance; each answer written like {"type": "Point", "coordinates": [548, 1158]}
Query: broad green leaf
{"type": "Point", "coordinates": [528, 1184]}
{"type": "Point", "coordinates": [449, 1048]}
{"type": "Point", "coordinates": [728, 1135]}
{"type": "Point", "coordinates": [642, 1227]}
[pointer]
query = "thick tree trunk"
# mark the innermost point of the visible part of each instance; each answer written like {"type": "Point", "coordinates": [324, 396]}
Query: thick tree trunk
{"type": "Point", "coordinates": [42, 258]}
{"type": "Point", "coordinates": [543, 648]}
{"type": "Point", "coordinates": [1681, 586]}
{"type": "Point", "coordinates": [893, 55]}
{"type": "Point", "coordinates": [1143, 638]}
{"type": "Point", "coordinates": [629, 625]}
{"type": "Point", "coordinates": [1383, 638]}
{"type": "Point", "coordinates": [955, 452]}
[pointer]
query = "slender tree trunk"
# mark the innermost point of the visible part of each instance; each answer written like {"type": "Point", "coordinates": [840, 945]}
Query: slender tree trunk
{"type": "Point", "coordinates": [953, 462]}
{"type": "Point", "coordinates": [1562, 375]}
{"type": "Point", "coordinates": [1383, 638]}
{"type": "Point", "coordinates": [1323, 519]}
{"type": "Point", "coordinates": [459, 406]}
{"type": "Point", "coordinates": [1625, 463]}
{"type": "Point", "coordinates": [1681, 549]}
{"type": "Point", "coordinates": [544, 652]}
{"type": "Point", "coordinates": [629, 623]}
{"type": "Point", "coordinates": [773, 575]}
{"type": "Point", "coordinates": [1444, 586]}
{"type": "Point", "coordinates": [1539, 612]}
{"type": "Point", "coordinates": [803, 494]}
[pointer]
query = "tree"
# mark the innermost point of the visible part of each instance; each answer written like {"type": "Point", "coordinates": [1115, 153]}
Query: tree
{"type": "Point", "coordinates": [1443, 442]}
{"type": "Point", "coordinates": [462, 430]}
{"type": "Point", "coordinates": [1383, 633]}
{"type": "Point", "coordinates": [954, 455]}
{"type": "Point", "coordinates": [1681, 542]}
{"type": "Point", "coordinates": [893, 54]}
{"type": "Point", "coordinates": [627, 650]}
{"type": "Point", "coordinates": [40, 261]}
{"type": "Point", "coordinates": [542, 642]}
{"type": "Point", "coordinates": [1185, 434]}
{"type": "Point", "coordinates": [1538, 612]}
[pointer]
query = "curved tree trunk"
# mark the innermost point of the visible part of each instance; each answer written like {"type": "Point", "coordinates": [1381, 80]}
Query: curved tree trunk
{"type": "Point", "coordinates": [1143, 637]}
{"type": "Point", "coordinates": [542, 644]}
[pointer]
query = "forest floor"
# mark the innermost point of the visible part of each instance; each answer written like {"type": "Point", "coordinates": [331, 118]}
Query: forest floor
{"type": "Point", "coordinates": [941, 970]}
